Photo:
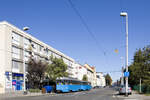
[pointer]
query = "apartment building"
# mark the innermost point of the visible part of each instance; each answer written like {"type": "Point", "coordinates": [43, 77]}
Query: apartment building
{"type": "Point", "coordinates": [80, 71]}
{"type": "Point", "coordinates": [91, 74]}
{"type": "Point", "coordinates": [94, 76]}
{"type": "Point", "coordinates": [100, 79]}
{"type": "Point", "coordinates": [16, 46]}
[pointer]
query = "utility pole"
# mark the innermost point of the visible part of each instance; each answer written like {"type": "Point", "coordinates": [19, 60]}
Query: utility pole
{"type": "Point", "coordinates": [122, 64]}
{"type": "Point", "coordinates": [24, 65]}
{"type": "Point", "coordinates": [122, 78]}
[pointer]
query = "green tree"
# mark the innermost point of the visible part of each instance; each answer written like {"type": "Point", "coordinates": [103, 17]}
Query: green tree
{"type": "Point", "coordinates": [56, 69]}
{"type": "Point", "coordinates": [108, 80]}
{"type": "Point", "coordinates": [36, 73]}
{"type": "Point", "coordinates": [85, 78]}
{"type": "Point", "coordinates": [140, 68]}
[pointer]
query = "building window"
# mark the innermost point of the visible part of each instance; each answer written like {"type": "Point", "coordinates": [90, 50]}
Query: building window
{"type": "Point", "coordinates": [40, 48]}
{"type": "Point", "coordinates": [26, 43]}
{"type": "Point", "coordinates": [16, 52]}
{"type": "Point", "coordinates": [26, 65]}
{"type": "Point", "coordinates": [16, 66]}
{"type": "Point", "coordinates": [16, 38]}
{"type": "Point", "coordinates": [34, 46]}
{"type": "Point", "coordinates": [26, 55]}
{"type": "Point", "coordinates": [46, 51]}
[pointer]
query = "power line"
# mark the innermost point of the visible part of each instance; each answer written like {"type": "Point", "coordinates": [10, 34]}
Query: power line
{"type": "Point", "coordinates": [86, 26]}
{"type": "Point", "coordinates": [112, 71]}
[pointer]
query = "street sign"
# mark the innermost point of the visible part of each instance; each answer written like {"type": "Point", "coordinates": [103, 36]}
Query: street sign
{"type": "Point", "coordinates": [126, 74]}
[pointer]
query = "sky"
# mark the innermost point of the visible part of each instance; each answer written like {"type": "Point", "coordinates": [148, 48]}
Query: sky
{"type": "Point", "coordinates": [57, 24]}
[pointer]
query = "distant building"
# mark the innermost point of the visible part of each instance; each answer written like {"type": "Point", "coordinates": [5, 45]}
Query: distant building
{"type": "Point", "coordinates": [100, 79]}
{"type": "Point", "coordinates": [80, 71]}
{"type": "Point", "coordinates": [91, 74]}
{"type": "Point", "coordinates": [94, 76]}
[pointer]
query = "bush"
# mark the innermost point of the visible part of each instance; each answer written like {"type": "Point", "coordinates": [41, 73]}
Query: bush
{"type": "Point", "coordinates": [34, 90]}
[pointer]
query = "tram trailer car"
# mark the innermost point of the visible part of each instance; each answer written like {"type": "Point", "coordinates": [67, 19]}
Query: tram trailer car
{"type": "Point", "coordinates": [71, 85]}
{"type": "Point", "coordinates": [85, 85]}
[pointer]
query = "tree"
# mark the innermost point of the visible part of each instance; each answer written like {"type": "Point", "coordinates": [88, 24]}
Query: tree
{"type": "Point", "coordinates": [108, 80]}
{"type": "Point", "coordinates": [56, 69]}
{"type": "Point", "coordinates": [85, 78]}
{"type": "Point", "coordinates": [140, 68]}
{"type": "Point", "coordinates": [36, 73]}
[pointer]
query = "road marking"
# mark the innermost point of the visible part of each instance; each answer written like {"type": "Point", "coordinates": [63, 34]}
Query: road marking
{"type": "Point", "coordinates": [130, 99]}
{"type": "Point", "coordinates": [113, 96]}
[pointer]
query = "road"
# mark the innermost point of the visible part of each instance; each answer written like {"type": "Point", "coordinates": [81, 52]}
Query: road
{"type": "Point", "coordinates": [94, 94]}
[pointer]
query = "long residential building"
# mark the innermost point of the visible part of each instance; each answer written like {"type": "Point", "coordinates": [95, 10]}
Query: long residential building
{"type": "Point", "coordinates": [17, 46]}
{"type": "Point", "coordinates": [15, 50]}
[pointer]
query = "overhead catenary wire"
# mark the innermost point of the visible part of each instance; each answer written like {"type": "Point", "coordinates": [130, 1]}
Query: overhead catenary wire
{"type": "Point", "coordinates": [86, 26]}
{"type": "Point", "coordinates": [89, 32]}
{"type": "Point", "coordinates": [112, 71]}
{"type": "Point", "coordinates": [83, 21]}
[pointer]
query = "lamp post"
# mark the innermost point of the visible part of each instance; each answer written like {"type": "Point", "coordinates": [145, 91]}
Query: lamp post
{"type": "Point", "coordinates": [124, 14]}
{"type": "Point", "coordinates": [24, 67]}
{"type": "Point", "coordinates": [122, 69]}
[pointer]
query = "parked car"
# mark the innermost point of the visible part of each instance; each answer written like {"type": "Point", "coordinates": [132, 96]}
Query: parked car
{"type": "Point", "coordinates": [122, 90]}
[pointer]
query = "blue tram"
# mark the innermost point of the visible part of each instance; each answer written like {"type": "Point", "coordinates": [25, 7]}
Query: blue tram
{"type": "Point", "coordinates": [71, 85]}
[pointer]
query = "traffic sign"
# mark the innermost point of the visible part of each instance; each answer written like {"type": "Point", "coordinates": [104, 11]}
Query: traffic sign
{"type": "Point", "coordinates": [126, 74]}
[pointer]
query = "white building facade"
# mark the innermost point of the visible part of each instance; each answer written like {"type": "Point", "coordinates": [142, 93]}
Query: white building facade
{"type": "Point", "coordinates": [80, 71]}
{"type": "Point", "coordinates": [100, 79]}
{"type": "Point", "coordinates": [91, 74]}
{"type": "Point", "coordinates": [15, 50]}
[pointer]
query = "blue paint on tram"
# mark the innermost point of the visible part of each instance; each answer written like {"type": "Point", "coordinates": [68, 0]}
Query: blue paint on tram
{"type": "Point", "coordinates": [70, 84]}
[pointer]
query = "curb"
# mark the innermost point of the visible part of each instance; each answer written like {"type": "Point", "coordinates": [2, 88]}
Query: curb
{"type": "Point", "coordinates": [27, 95]}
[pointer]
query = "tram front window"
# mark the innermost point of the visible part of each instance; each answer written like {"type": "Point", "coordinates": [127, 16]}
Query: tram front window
{"type": "Point", "coordinates": [59, 82]}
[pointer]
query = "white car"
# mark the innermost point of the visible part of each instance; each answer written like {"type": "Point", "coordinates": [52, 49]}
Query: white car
{"type": "Point", "coordinates": [122, 90]}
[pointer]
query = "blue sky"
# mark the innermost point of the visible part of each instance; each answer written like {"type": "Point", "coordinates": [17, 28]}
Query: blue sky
{"type": "Point", "coordinates": [55, 23]}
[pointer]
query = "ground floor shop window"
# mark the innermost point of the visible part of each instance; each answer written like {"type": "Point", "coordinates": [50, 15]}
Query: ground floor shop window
{"type": "Point", "coordinates": [17, 81]}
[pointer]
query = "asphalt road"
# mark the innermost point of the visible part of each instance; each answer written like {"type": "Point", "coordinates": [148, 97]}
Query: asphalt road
{"type": "Point", "coordinates": [94, 94]}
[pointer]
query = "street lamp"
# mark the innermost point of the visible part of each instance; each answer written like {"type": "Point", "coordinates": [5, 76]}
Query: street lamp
{"type": "Point", "coordinates": [122, 64]}
{"type": "Point", "coordinates": [24, 67]}
{"type": "Point", "coordinates": [124, 14]}
{"type": "Point", "coordinates": [25, 28]}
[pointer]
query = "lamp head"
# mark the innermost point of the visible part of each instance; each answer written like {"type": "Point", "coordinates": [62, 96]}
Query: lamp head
{"type": "Point", "coordinates": [25, 28]}
{"type": "Point", "coordinates": [123, 14]}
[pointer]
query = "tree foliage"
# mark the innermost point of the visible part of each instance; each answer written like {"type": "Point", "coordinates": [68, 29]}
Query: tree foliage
{"type": "Point", "coordinates": [35, 72]}
{"type": "Point", "coordinates": [85, 78]}
{"type": "Point", "coordinates": [56, 69]}
{"type": "Point", "coordinates": [108, 80]}
{"type": "Point", "coordinates": [140, 68]}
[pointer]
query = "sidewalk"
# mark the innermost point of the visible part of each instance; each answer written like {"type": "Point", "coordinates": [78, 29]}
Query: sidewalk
{"type": "Point", "coordinates": [21, 94]}
{"type": "Point", "coordinates": [135, 96]}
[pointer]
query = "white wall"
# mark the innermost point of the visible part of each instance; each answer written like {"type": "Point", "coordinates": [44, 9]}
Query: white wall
{"type": "Point", "coordinates": [5, 55]}
{"type": "Point", "coordinates": [100, 79]}
{"type": "Point", "coordinates": [79, 71]}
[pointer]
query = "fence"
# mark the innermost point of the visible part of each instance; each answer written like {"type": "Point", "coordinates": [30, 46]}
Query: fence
{"type": "Point", "coordinates": [144, 88]}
